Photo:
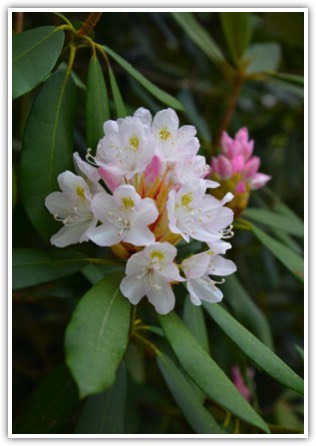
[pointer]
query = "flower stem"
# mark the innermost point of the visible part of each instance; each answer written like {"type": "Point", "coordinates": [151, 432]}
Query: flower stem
{"type": "Point", "coordinates": [90, 23]}
{"type": "Point", "coordinates": [237, 84]}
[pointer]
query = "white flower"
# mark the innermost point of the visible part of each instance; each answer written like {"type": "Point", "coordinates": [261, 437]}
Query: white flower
{"type": "Point", "coordinates": [194, 214]}
{"type": "Point", "coordinates": [125, 216]}
{"type": "Point", "coordinates": [89, 173]}
{"type": "Point", "coordinates": [72, 207]}
{"type": "Point", "coordinates": [198, 268]}
{"type": "Point", "coordinates": [149, 273]}
{"type": "Point", "coordinates": [173, 143]}
{"type": "Point", "coordinates": [191, 169]}
{"type": "Point", "coordinates": [127, 146]}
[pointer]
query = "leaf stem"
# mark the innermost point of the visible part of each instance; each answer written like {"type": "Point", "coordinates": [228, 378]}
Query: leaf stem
{"type": "Point", "coordinates": [241, 223]}
{"type": "Point", "coordinates": [90, 23]}
{"type": "Point", "coordinates": [72, 55]}
{"type": "Point", "coordinates": [152, 348]}
{"type": "Point", "coordinates": [19, 22]}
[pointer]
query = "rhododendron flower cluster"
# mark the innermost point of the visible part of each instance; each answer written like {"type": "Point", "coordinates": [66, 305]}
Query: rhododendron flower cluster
{"type": "Point", "coordinates": [143, 192]}
{"type": "Point", "coordinates": [236, 169]}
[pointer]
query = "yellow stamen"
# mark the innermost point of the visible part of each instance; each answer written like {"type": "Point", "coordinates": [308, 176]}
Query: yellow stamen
{"type": "Point", "coordinates": [127, 202]}
{"type": "Point", "coordinates": [186, 199]}
{"type": "Point", "coordinates": [156, 254]}
{"type": "Point", "coordinates": [80, 192]}
{"type": "Point", "coordinates": [164, 134]}
{"type": "Point", "coordinates": [134, 142]}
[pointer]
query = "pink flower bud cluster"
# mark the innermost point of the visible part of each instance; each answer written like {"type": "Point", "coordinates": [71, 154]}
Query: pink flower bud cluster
{"type": "Point", "coordinates": [237, 158]}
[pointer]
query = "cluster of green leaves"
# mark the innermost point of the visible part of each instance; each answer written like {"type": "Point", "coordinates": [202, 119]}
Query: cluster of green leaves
{"type": "Point", "coordinates": [100, 367]}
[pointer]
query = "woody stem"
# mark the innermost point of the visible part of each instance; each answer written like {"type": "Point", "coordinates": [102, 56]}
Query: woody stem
{"type": "Point", "coordinates": [90, 23]}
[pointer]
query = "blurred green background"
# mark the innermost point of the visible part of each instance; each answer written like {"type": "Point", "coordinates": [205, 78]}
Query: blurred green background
{"type": "Point", "coordinates": [273, 110]}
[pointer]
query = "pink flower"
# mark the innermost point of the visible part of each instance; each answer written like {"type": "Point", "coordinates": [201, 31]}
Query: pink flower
{"type": "Point", "coordinates": [239, 382]}
{"type": "Point", "coordinates": [236, 158]}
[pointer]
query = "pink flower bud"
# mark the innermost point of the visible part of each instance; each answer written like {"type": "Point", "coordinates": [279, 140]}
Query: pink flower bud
{"type": "Point", "coordinates": [226, 142]}
{"type": "Point", "coordinates": [259, 180]}
{"type": "Point", "coordinates": [238, 164]}
{"type": "Point", "coordinates": [242, 135]}
{"type": "Point", "coordinates": [239, 382]}
{"type": "Point", "coordinates": [214, 165]}
{"type": "Point", "coordinates": [153, 169]}
{"type": "Point", "coordinates": [252, 166]}
{"type": "Point", "coordinates": [111, 176]}
{"type": "Point", "coordinates": [224, 166]}
{"type": "Point", "coordinates": [247, 149]}
{"type": "Point", "coordinates": [241, 188]}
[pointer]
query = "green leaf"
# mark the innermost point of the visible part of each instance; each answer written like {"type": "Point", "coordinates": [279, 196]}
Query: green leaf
{"type": "Point", "coordinates": [193, 318]}
{"type": "Point", "coordinates": [275, 220]}
{"type": "Point", "coordinates": [263, 57]}
{"type": "Point", "coordinates": [47, 148]}
{"type": "Point", "coordinates": [246, 311]}
{"type": "Point", "coordinates": [164, 97]}
{"type": "Point", "coordinates": [97, 105]}
{"type": "Point", "coordinates": [14, 187]}
{"type": "Point", "coordinates": [237, 31]}
{"type": "Point", "coordinates": [204, 371]}
{"type": "Point", "coordinates": [187, 399]}
{"type": "Point", "coordinates": [300, 352]}
{"type": "Point", "coordinates": [35, 266]}
{"type": "Point", "coordinates": [51, 405]}
{"type": "Point", "coordinates": [200, 36]}
{"type": "Point", "coordinates": [94, 273]}
{"type": "Point", "coordinates": [117, 97]}
{"type": "Point", "coordinates": [97, 336]}
{"type": "Point", "coordinates": [34, 53]}
{"type": "Point", "coordinates": [289, 258]}
{"type": "Point", "coordinates": [259, 353]}
{"type": "Point", "coordinates": [298, 90]}
{"type": "Point", "coordinates": [105, 413]}
{"type": "Point", "coordinates": [186, 96]}
{"type": "Point", "coordinates": [293, 78]}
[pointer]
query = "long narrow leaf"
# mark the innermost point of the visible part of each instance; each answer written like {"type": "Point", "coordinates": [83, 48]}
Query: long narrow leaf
{"type": "Point", "coordinates": [204, 371]}
{"type": "Point", "coordinates": [34, 54]}
{"type": "Point", "coordinates": [193, 318]}
{"type": "Point", "coordinates": [164, 97]}
{"type": "Point", "coordinates": [117, 97]}
{"type": "Point", "coordinates": [200, 36]}
{"type": "Point", "coordinates": [237, 31]}
{"type": "Point", "coordinates": [275, 220]}
{"type": "Point", "coordinates": [35, 266]}
{"type": "Point", "coordinates": [246, 311]}
{"type": "Point", "coordinates": [47, 148]}
{"type": "Point", "coordinates": [97, 336]}
{"type": "Point", "coordinates": [186, 397]}
{"type": "Point", "coordinates": [260, 354]}
{"type": "Point", "coordinates": [97, 105]}
{"type": "Point", "coordinates": [289, 258]}
{"type": "Point", "coordinates": [105, 413]}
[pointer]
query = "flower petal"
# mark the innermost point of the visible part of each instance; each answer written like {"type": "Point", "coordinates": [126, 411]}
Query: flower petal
{"type": "Point", "coordinates": [203, 289]}
{"type": "Point", "coordinates": [101, 205]}
{"type": "Point", "coordinates": [133, 288]}
{"type": "Point", "coordinates": [162, 298]}
{"type": "Point", "coordinates": [58, 204]}
{"type": "Point", "coordinates": [104, 235]}
{"type": "Point", "coordinates": [69, 235]}
{"type": "Point", "coordinates": [219, 266]}
{"type": "Point", "coordinates": [196, 266]}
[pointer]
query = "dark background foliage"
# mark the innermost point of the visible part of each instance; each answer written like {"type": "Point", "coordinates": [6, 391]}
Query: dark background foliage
{"type": "Point", "coordinates": [273, 111]}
